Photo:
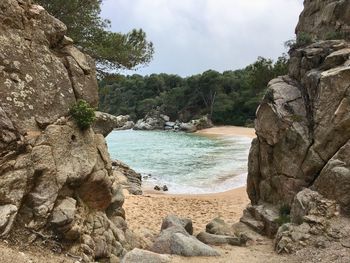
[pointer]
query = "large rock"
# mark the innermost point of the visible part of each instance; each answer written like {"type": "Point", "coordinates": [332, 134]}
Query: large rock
{"type": "Point", "coordinates": [154, 120]}
{"type": "Point", "coordinates": [127, 177]}
{"type": "Point", "coordinates": [105, 123]}
{"type": "Point", "coordinates": [302, 123]}
{"type": "Point", "coordinates": [55, 179]}
{"type": "Point", "coordinates": [218, 226]}
{"type": "Point", "coordinates": [212, 239]}
{"type": "Point", "coordinates": [175, 239]}
{"type": "Point", "coordinates": [315, 222]}
{"type": "Point", "coordinates": [300, 158]}
{"type": "Point", "coordinates": [144, 256]}
{"type": "Point", "coordinates": [325, 19]}
{"type": "Point", "coordinates": [172, 220]}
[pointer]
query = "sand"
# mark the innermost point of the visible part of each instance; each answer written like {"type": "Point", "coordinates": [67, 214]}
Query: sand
{"type": "Point", "coordinates": [149, 209]}
{"type": "Point", "coordinates": [229, 131]}
{"type": "Point", "coordinates": [144, 213]}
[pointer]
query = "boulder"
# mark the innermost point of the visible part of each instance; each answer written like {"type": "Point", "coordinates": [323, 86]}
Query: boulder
{"type": "Point", "coordinates": [127, 177]}
{"type": "Point", "coordinates": [263, 219]}
{"type": "Point", "coordinates": [64, 212]}
{"type": "Point", "coordinates": [211, 239]}
{"type": "Point", "coordinates": [315, 222]}
{"type": "Point", "coordinates": [182, 244]}
{"type": "Point", "coordinates": [154, 120]}
{"type": "Point", "coordinates": [127, 126]}
{"type": "Point", "coordinates": [218, 226]}
{"type": "Point", "coordinates": [175, 239]}
{"type": "Point", "coordinates": [187, 127]}
{"type": "Point", "coordinates": [172, 220]}
{"type": "Point", "coordinates": [105, 123]}
{"type": "Point", "coordinates": [144, 256]}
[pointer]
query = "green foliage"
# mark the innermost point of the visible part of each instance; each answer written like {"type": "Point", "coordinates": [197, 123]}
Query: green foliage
{"type": "Point", "coordinates": [334, 35]}
{"type": "Point", "coordinates": [230, 97]}
{"type": "Point", "coordinates": [83, 114]}
{"type": "Point", "coordinates": [303, 39]}
{"type": "Point", "coordinates": [284, 215]}
{"type": "Point", "coordinates": [112, 51]}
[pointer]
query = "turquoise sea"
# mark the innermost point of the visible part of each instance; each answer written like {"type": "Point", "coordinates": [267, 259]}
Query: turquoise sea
{"type": "Point", "coordinates": [186, 163]}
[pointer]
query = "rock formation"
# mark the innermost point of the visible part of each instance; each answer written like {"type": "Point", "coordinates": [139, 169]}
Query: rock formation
{"type": "Point", "coordinates": [324, 19]}
{"type": "Point", "coordinates": [105, 123]}
{"type": "Point", "coordinates": [303, 124]}
{"type": "Point", "coordinates": [154, 120]}
{"type": "Point", "coordinates": [176, 238]}
{"type": "Point", "coordinates": [56, 180]}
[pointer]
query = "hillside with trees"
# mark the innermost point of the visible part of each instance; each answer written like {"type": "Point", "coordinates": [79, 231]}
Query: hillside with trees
{"type": "Point", "coordinates": [230, 97]}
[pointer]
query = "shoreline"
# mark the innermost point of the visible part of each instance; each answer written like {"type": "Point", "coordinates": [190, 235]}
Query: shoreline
{"type": "Point", "coordinates": [227, 130]}
{"type": "Point", "coordinates": [148, 210]}
{"type": "Point", "coordinates": [216, 131]}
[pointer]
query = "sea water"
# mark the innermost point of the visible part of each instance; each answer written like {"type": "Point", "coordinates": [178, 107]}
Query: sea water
{"type": "Point", "coordinates": [186, 163]}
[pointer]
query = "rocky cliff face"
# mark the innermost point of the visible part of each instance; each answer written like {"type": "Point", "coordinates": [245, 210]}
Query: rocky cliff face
{"type": "Point", "coordinates": [303, 124]}
{"type": "Point", "coordinates": [55, 180]}
{"type": "Point", "coordinates": [325, 19]}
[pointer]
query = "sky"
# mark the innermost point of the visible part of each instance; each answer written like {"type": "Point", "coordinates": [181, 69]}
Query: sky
{"type": "Point", "coordinates": [192, 36]}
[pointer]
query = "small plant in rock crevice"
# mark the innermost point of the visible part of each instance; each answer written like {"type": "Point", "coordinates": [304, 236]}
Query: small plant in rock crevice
{"type": "Point", "coordinates": [284, 215]}
{"type": "Point", "coordinates": [83, 114]}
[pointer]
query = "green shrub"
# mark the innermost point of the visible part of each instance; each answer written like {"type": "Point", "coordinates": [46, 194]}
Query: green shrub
{"type": "Point", "coordinates": [303, 39]}
{"type": "Point", "coordinates": [284, 215]}
{"type": "Point", "coordinates": [83, 114]}
{"type": "Point", "coordinates": [335, 35]}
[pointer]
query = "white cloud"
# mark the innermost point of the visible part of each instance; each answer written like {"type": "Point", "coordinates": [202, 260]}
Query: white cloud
{"type": "Point", "coordinates": [191, 36]}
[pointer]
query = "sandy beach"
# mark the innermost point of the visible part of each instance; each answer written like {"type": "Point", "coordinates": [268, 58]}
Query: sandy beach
{"type": "Point", "coordinates": [145, 213]}
{"type": "Point", "coordinates": [150, 208]}
{"type": "Point", "coordinates": [229, 131]}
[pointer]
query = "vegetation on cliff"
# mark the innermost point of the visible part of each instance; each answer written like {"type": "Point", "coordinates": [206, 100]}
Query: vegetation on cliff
{"type": "Point", "coordinates": [230, 97]}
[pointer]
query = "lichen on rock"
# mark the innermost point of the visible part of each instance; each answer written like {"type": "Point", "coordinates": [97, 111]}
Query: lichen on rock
{"type": "Point", "coordinates": [56, 180]}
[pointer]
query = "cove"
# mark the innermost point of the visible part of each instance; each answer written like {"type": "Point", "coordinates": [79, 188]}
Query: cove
{"type": "Point", "coordinates": [186, 163]}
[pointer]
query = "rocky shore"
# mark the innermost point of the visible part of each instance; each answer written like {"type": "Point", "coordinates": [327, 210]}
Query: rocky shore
{"type": "Point", "coordinates": [61, 193]}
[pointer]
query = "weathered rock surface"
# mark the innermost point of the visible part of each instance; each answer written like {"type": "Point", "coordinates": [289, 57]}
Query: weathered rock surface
{"type": "Point", "coordinates": [303, 135]}
{"type": "Point", "coordinates": [56, 180]}
{"type": "Point", "coordinates": [315, 222]}
{"type": "Point", "coordinates": [219, 227]}
{"type": "Point", "coordinates": [324, 19]}
{"type": "Point", "coordinates": [127, 177]}
{"type": "Point", "coordinates": [105, 123]}
{"type": "Point", "coordinates": [154, 120]}
{"type": "Point", "coordinates": [172, 220]}
{"type": "Point", "coordinates": [144, 256]}
{"type": "Point", "coordinates": [211, 239]}
{"type": "Point", "coordinates": [175, 239]}
{"type": "Point", "coordinates": [303, 127]}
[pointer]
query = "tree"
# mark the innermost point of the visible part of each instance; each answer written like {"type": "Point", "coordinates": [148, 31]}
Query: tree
{"type": "Point", "coordinates": [112, 51]}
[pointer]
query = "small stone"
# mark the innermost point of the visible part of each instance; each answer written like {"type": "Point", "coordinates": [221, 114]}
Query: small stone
{"type": "Point", "coordinates": [165, 188]}
{"type": "Point", "coordinates": [157, 188]}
